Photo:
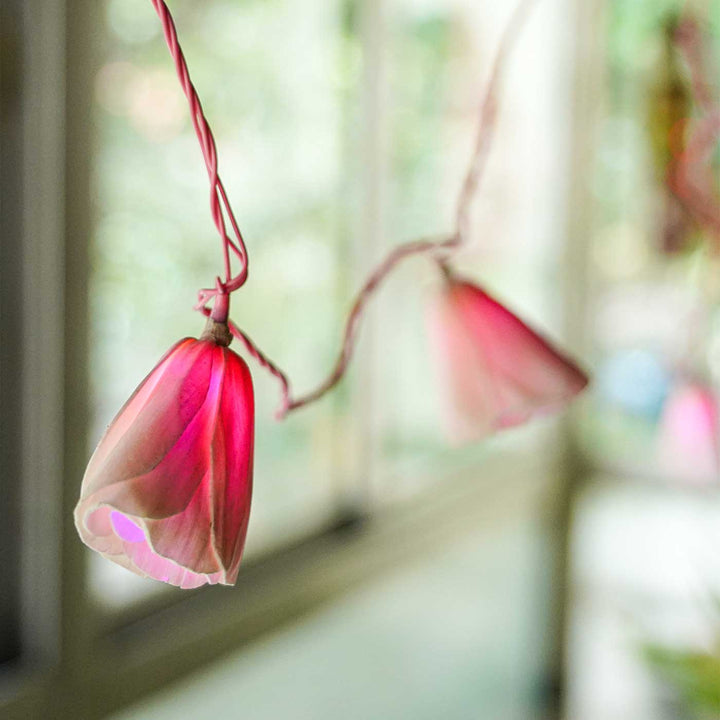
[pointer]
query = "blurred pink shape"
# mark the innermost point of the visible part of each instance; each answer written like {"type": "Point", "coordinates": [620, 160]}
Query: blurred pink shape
{"type": "Point", "coordinates": [688, 437]}
{"type": "Point", "coordinates": [498, 372]}
{"type": "Point", "coordinates": [167, 491]}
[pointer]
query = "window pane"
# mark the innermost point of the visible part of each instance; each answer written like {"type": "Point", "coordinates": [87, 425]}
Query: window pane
{"type": "Point", "coordinates": [273, 86]}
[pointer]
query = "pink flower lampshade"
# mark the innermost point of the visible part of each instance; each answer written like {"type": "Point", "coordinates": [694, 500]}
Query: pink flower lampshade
{"type": "Point", "coordinates": [497, 371]}
{"type": "Point", "coordinates": [167, 491]}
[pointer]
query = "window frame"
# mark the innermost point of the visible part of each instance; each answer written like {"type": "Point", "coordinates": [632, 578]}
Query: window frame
{"type": "Point", "coordinates": [10, 326]}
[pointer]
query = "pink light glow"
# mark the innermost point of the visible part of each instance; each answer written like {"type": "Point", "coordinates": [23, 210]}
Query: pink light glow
{"type": "Point", "coordinates": [688, 437]}
{"type": "Point", "coordinates": [126, 528]}
{"type": "Point", "coordinates": [497, 371]}
{"type": "Point", "coordinates": [178, 460]}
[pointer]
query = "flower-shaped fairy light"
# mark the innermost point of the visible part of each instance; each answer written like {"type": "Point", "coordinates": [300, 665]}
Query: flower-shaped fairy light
{"type": "Point", "coordinates": [498, 372]}
{"type": "Point", "coordinates": [167, 491]}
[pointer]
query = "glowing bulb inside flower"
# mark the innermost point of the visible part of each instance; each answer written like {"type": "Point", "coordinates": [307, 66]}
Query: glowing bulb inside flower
{"type": "Point", "coordinates": [126, 528]}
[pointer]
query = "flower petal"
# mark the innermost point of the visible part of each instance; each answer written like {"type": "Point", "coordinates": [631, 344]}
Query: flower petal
{"type": "Point", "coordinates": [232, 450]}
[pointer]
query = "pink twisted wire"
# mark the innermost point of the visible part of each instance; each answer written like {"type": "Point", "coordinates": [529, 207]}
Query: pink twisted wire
{"type": "Point", "coordinates": [438, 249]}
{"type": "Point", "coordinates": [352, 324]}
{"type": "Point", "coordinates": [218, 196]}
{"type": "Point", "coordinates": [488, 117]}
{"type": "Point", "coordinates": [287, 402]}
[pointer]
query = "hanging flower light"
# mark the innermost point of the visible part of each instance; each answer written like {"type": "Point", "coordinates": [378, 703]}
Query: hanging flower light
{"type": "Point", "coordinates": [687, 441]}
{"type": "Point", "coordinates": [167, 492]}
{"type": "Point", "coordinates": [497, 371]}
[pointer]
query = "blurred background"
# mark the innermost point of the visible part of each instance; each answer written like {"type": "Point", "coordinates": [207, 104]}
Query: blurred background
{"type": "Point", "coordinates": [567, 569]}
